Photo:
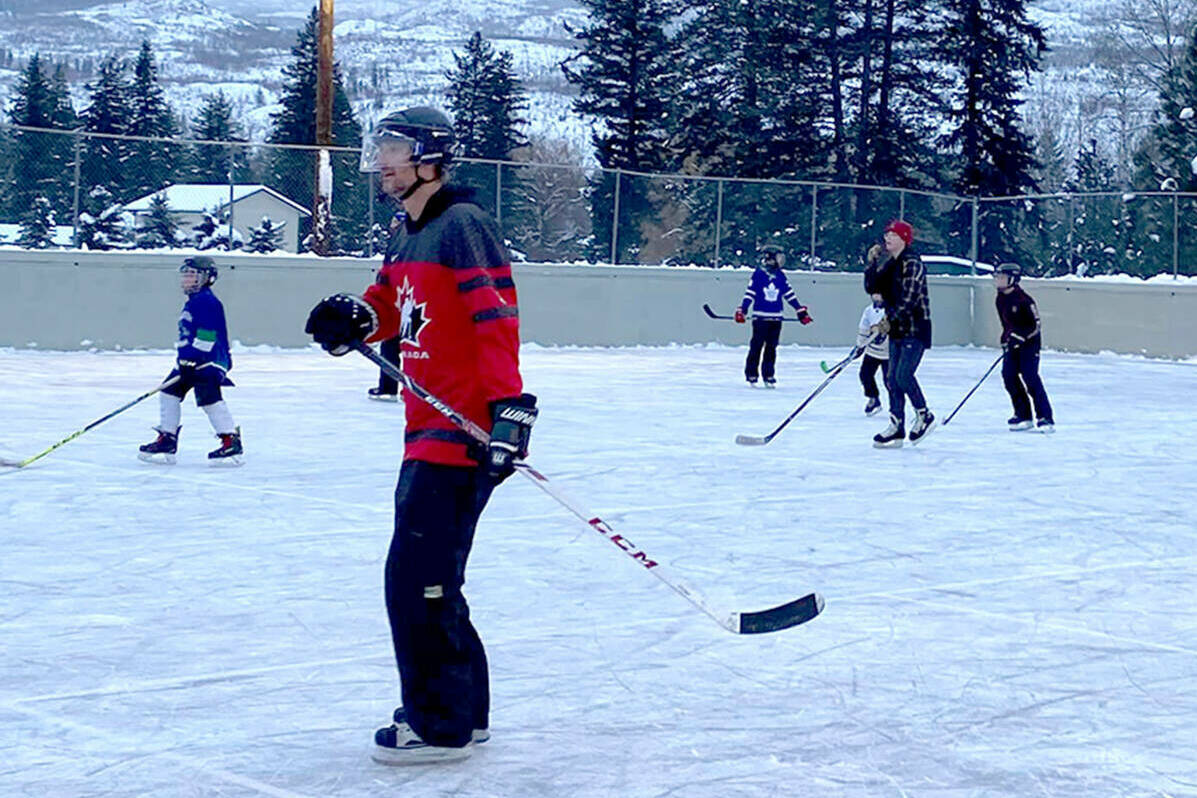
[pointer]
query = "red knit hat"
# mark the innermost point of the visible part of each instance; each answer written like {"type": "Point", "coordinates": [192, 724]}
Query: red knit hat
{"type": "Point", "coordinates": [902, 230]}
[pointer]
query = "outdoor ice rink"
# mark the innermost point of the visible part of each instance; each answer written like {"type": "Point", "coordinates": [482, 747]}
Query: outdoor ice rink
{"type": "Point", "coordinates": [1007, 614]}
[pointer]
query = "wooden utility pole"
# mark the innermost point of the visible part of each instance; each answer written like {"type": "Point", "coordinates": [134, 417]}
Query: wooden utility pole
{"type": "Point", "coordinates": [322, 196]}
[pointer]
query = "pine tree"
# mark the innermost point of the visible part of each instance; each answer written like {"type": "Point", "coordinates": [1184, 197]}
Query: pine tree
{"type": "Point", "coordinates": [993, 48]}
{"type": "Point", "coordinates": [212, 232]}
{"type": "Point", "coordinates": [292, 172]}
{"type": "Point", "coordinates": [37, 226]}
{"type": "Point", "coordinates": [160, 229]}
{"type": "Point", "coordinates": [150, 164]}
{"type": "Point", "coordinates": [214, 122]}
{"type": "Point", "coordinates": [103, 159]}
{"type": "Point", "coordinates": [487, 102]}
{"type": "Point", "coordinates": [41, 162]}
{"type": "Point", "coordinates": [624, 72]}
{"type": "Point", "coordinates": [266, 237]}
{"type": "Point", "coordinates": [103, 225]}
{"type": "Point", "coordinates": [1096, 220]}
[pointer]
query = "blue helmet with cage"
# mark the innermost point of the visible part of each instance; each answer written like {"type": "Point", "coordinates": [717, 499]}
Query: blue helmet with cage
{"type": "Point", "coordinates": [199, 272]}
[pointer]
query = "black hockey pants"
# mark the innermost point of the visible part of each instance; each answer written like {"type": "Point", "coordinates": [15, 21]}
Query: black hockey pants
{"type": "Point", "coordinates": [1021, 368]}
{"type": "Point", "coordinates": [763, 348]}
{"type": "Point", "coordinates": [442, 664]}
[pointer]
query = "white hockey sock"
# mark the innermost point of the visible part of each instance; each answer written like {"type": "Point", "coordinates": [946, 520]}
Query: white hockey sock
{"type": "Point", "coordinates": [170, 410]}
{"type": "Point", "coordinates": [220, 418]}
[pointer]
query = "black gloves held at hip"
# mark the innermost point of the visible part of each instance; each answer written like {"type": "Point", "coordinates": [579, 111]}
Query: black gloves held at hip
{"type": "Point", "coordinates": [340, 320]}
{"type": "Point", "coordinates": [513, 420]}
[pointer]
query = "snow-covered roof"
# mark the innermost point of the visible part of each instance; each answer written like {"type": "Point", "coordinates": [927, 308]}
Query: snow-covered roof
{"type": "Point", "coordinates": [200, 197]}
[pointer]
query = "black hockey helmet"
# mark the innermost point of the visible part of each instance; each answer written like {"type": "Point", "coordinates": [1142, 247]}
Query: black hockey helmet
{"type": "Point", "coordinates": [427, 131]}
{"type": "Point", "coordinates": [1013, 270]}
{"type": "Point", "coordinates": [203, 266]}
{"type": "Point", "coordinates": [776, 250]}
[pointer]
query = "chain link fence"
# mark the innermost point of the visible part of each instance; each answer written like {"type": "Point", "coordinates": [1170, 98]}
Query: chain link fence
{"type": "Point", "coordinates": [84, 190]}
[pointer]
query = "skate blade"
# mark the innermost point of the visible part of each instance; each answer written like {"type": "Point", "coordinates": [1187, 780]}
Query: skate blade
{"type": "Point", "coordinates": [1024, 427]}
{"type": "Point", "coordinates": [890, 445]}
{"type": "Point", "coordinates": [226, 462]}
{"type": "Point", "coordinates": [156, 459]}
{"type": "Point", "coordinates": [387, 398]}
{"type": "Point", "coordinates": [426, 755]}
{"type": "Point", "coordinates": [1046, 430]}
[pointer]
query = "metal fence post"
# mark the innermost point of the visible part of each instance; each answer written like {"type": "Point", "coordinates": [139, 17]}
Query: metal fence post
{"type": "Point", "coordinates": [718, 218]}
{"type": "Point", "coordinates": [499, 194]}
{"type": "Point", "coordinates": [1071, 234]}
{"type": "Point", "coordinates": [75, 226]}
{"type": "Point", "coordinates": [901, 204]}
{"type": "Point", "coordinates": [814, 223]}
{"type": "Point", "coordinates": [975, 243]}
{"type": "Point", "coordinates": [615, 222]}
{"type": "Point", "coordinates": [1175, 236]}
{"type": "Point", "coordinates": [229, 246]}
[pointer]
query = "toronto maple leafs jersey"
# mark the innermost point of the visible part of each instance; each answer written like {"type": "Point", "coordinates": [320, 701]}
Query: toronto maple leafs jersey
{"type": "Point", "coordinates": [445, 289]}
{"type": "Point", "coordinates": [873, 314]}
{"type": "Point", "coordinates": [767, 290]}
{"type": "Point", "coordinates": [203, 334]}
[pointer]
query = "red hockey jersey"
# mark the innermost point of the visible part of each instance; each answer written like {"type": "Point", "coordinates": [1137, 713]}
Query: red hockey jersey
{"type": "Point", "coordinates": [445, 288]}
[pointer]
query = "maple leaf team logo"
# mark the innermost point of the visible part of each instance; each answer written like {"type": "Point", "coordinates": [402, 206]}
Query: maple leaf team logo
{"type": "Point", "coordinates": [412, 317]}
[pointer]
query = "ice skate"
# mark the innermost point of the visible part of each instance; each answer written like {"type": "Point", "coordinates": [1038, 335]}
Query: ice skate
{"type": "Point", "coordinates": [891, 437]}
{"type": "Point", "coordinates": [873, 406]}
{"type": "Point", "coordinates": [477, 737]}
{"type": "Point", "coordinates": [161, 451]}
{"type": "Point", "coordinates": [1045, 426]}
{"type": "Point", "coordinates": [1017, 424]}
{"type": "Point", "coordinates": [751, 382]}
{"type": "Point", "coordinates": [924, 422]}
{"type": "Point", "coordinates": [770, 382]}
{"type": "Point", "coordinates": [229, 452]}
{"type": "Point", "coordinates": [397, 744]}
{"type": "Point", "coordinates": [378, 395]}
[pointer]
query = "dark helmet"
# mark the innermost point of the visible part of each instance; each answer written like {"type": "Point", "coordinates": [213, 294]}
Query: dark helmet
{"type": "Point", "coordinates": [427, 130]}
{"type": "Point", "coordinates": [1011, 269]}
{"type": "Point", "coordinates": [204, 266]}
{"type": "Point", "coordinates": [778, 253]}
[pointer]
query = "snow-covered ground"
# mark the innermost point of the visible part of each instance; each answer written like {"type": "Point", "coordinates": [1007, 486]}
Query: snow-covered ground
{"type": "Point", "coordinates": [1007, 614]}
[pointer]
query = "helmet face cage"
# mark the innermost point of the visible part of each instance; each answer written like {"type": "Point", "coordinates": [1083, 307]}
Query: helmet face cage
{"type": "Point", "coordinates": [388, 138]}
{"type": "Point", "coordinates": [197, 274]}
{"type": "Point", "coordinates": [1012, 271]}
{"type": "Point", "coordinates": [426, 144]}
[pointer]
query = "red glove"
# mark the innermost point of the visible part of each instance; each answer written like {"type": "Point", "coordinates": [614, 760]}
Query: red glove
{"type": "Point", "coordinates": [740, 316]}
{"type": "Point", "coordinates": [803, 316]}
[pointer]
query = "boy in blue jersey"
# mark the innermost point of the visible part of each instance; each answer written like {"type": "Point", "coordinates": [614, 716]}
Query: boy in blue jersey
{"type": "Point", "coordinates": [203, 363]}
{"type": "Point", "coordinates": [767, 290]}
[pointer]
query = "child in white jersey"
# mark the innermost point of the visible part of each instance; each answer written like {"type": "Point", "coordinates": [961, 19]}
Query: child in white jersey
{"type": "Point", "coordinates": [876, 352]}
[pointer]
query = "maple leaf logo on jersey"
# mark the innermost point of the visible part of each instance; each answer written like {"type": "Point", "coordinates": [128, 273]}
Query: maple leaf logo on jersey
{"type": "Point", "coordinates": [411, 315]}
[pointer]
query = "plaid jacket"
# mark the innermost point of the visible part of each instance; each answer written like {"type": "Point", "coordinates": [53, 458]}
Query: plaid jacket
{"type": "Point", "coordinates": [904, 288]}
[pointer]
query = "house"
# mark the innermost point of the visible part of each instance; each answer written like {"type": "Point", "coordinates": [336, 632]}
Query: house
{"type": "Point", "coordinates": [190, 201]}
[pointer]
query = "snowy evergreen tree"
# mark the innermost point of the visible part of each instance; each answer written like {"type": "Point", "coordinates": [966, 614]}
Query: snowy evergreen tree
{"type": "Point", "coordinates": [160, 229]}
{"type": "Point", "coordinates": [993, 48]}
{"type": "Point", "coordinates": [103, 159]}
{"type": "Point", "coordinates": [292, 172]}
{"type": "Point", "coordinates": [105, 224]}
{"type": "Point", "coordinates": [41, 163]}
{"type": "Point", "coordinates": [37, 226]}
{"type": "Point", "coordinates": [151, 165]}
{"type": "Point", "coordinates": [266, 237]}
{"type": "Point", "coordinates": [214, 122]}
{"type": "Point", "coordinates": [212, 232]}
{"type": "Point", "coordinates": [1096, 220]}
{"type": "Point", "coordinates": [487, 102]}
{"type": "Point", "coordinates": [624, 72]}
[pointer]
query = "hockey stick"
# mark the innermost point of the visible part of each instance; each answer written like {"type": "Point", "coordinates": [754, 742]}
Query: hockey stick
{"type": "Point", "coordinates": [92, 425]}
{"type": "Point", "coordinates": [975, 387]}
{"type": "Point", "coordinates": [828, 369]}
{"type": "Point", "coordinates": [773, 619]}
{"type": "Point", "coordinates": [761, 440]}
{"type": "Point", "coordinates": [715, 315]}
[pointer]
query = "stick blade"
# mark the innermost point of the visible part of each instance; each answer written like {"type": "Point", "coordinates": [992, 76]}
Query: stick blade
{"type": "Point", "coordinates": [783, 616]}
{"type": "Point", "coordinates": [6, 463]}
{"type": "Point", "coordinates": [751, 440]}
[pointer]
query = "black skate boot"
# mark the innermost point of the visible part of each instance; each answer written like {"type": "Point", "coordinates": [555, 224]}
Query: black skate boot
{"type": "Point", "coordinates": [378, 395]}
{"type": "Point", "coordinates": [229, 452]}
{"type": "Point", "coordinates": [892, 436]}
{"type": "Point", "coordinates": [1045, 425]}
{"type": "Point", "coordinates": [163, 450]}
{"type": "Point", "coordinates": [924, 421]}
{"type": "Point", "coordinates": [873, 406]}
{"type": "Point", "coordinates": [1017, 424]}
{"type": "Point", "coordinates": [770, 382]}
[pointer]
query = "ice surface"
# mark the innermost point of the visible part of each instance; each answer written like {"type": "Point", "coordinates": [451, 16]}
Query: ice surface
{"type": "Point", "coordinates": [1007, 614]}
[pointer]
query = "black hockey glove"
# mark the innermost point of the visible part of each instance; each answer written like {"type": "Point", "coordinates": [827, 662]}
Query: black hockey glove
{"type": "Point", "coordinates": [513, 420]}
{"type": "Point", "coordinates": [340, 320]}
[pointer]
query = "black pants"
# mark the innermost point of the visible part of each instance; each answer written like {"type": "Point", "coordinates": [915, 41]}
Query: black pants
{"type": "Point", "coordinates": [1019, 369]}
{"type": "Point", "coordinates": [445, 685]}
{"type": "Point", "coordinates": [205, 381]}
{"type": "Point", "coordinates": [868, 372]}
{"type": "Point", "coordinates": [763, 348]}
{"type": "Point", "coordinates": [390, 350]}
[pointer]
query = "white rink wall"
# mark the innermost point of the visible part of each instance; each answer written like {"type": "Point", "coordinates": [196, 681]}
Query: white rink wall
{"type": "Point", "coordinates": [130, 300]}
